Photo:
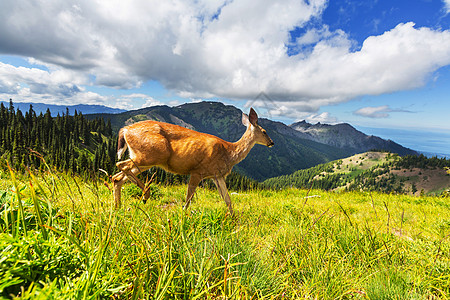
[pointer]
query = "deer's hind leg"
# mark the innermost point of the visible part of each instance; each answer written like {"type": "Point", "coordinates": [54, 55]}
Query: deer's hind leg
{"type": "Point", "coordinates": [130, 170]}
{"type": "Point", "coordinates": [118, 180]}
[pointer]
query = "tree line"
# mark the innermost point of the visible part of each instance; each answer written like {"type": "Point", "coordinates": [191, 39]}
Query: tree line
{"type": "Point", "coordinates": [65, 142]}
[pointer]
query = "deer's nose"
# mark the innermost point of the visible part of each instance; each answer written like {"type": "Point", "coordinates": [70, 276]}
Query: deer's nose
{"type": "Point", "coordinates": [270, 144]}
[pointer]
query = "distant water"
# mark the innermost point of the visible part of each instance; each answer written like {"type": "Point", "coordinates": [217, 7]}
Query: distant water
{"type": "Point", "coordinates": [430, 143]}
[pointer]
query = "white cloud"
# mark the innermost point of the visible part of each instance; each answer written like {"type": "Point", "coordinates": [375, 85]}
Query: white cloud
{"type": "Point", "coordinates": [324, 118]}
{"type": "Point", "coordinates": [374, 112]}
{"type": "Point", "coordinates": [54, 86]}
{"type": "Point", "coordinates": [62, 83]}
{"type": "Point", "coordinates": [148, 101]}
{"type": "Point", "coordinates": [201, 49]}
{"type": "Point", "coordinates": [378, 111]}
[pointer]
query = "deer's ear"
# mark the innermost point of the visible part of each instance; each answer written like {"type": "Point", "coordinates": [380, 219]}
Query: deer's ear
{"type": "Point", "coordinates": [245, 120]}
{"type": "Point", "coordinates": [253, 117]}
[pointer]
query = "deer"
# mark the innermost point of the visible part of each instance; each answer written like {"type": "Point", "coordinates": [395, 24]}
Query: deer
{"type": "Point", "coordinates": [180, 150]}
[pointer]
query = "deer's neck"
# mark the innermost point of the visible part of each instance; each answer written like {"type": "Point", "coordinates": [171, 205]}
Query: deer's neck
{"type": "Point", "coordinates": [242, 147]}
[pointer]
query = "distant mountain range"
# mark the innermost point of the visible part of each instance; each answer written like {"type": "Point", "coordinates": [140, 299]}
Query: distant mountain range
{"type": "Point", "coordinates": [61, 109]}
{"type": "Point", "coordinates": [298, 146]}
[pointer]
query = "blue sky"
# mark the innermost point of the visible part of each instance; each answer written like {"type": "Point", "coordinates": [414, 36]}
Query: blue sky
{"type": "Point", "coordinates": [374, 64]}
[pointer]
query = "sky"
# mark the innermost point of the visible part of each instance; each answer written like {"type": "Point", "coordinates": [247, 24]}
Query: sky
{"type": "Point", "coordinates": [373, 64]}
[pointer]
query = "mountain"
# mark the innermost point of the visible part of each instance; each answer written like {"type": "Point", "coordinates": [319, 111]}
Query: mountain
{"type": "Point", "coordinates": [61, 109]}
{"type": "Point", "coordinates": [373, 171]}
{"type": "Point", "coordinates": [346, 136]}
{"type": "Point", "coordinates": [293, 149]}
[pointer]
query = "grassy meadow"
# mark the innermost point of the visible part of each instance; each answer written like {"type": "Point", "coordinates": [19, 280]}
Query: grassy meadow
{"type": "Point", "coordinates": [60, 238]}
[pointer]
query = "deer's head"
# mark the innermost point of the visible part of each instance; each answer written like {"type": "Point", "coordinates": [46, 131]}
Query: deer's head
{"type": "Point", "coordinates": [259, 134]}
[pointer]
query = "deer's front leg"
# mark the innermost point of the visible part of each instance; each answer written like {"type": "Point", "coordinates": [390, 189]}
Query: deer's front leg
{"type": "Point", "coordinates": [223, 191]}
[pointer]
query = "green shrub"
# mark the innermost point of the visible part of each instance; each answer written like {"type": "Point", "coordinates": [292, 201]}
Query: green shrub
{"type": "Point", "coordinates": [33, 259]}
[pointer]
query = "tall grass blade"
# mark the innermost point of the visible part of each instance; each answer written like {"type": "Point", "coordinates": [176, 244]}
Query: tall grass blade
{"type": "Point", "coordinates": [36, 183]}
{"type": "Point", "coordinates": [6, 209]}
{"type": "Point", "coordinates": [37, 211]}
{"type": "Point", "coordinates": [19, 201]}
{"type": "Point", "coordinates": [166, 280]}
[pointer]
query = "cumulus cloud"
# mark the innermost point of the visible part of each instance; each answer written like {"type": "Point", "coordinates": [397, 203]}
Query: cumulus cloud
{"type": "Point", "coordinates": [148, 101]}
{"type": "Point", "coordinates": [60, 82]}
{"type": "Point", "coordinates": [220, 48]}
{"type": "Point", "coordinates": [377, 111]}
{"type": "Point", "coordinates": [53, 86]}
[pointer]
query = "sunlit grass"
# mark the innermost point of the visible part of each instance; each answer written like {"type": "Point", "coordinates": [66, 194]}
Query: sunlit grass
{"type": "Point", "coordinates": [68, 242]}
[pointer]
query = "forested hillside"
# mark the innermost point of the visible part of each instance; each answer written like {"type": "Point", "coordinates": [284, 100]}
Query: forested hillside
{"type": "Point", "coordinates": [72, 143]}
{"type": "Point", "coordinates": [373, 171]}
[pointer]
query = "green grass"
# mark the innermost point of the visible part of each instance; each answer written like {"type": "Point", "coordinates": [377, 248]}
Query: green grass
{"type": "Point", "coordinates": [61, 238]}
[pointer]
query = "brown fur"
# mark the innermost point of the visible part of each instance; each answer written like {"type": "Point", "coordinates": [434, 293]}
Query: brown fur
{"type": "Point", "coordinates": [121, 142]}
{"type": "Point", "coordinates": [183, 151]}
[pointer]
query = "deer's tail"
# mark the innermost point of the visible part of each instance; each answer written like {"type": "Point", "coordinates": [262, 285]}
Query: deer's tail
{"type": "Point", "coordinates": [121, 144]}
